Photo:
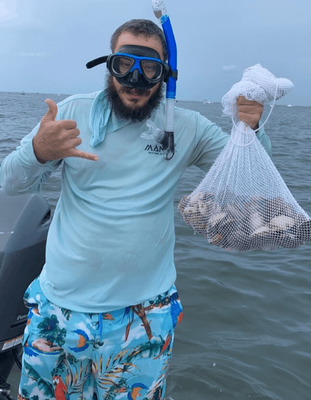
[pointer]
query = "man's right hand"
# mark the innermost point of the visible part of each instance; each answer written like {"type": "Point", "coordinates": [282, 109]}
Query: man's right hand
{"type": "Point", "coordinates": [56, 140]}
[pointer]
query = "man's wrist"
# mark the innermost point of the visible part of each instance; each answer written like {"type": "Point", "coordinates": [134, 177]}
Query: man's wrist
{"type": "Point", "coordinates": [35, 152]}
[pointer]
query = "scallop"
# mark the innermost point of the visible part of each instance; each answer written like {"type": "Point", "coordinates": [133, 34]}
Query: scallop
{"type": "Point", "coordinates": [196, 197]}
{"type": "Point", "coordinates": [262, 230]}
{"type": "Point", "coordinates": [281, 223]}
{"type": "Point", "coordinates": [205, 207]}
{"type": "Point", "coordinates": [188, 214]}
{"type": "Point", "coordinates": [290, 242]}
{"type": "Point", "coordinates": [235, 212]}
{"type": "Point", "coordinates": [217, 218]}
{"type": "Point", "coordinates": [190, 210]}
{"type": "Point", "coordinates": [304, 231]}
{"type": "Point", "coordinates": [216, 239]}
{"type": "Point", "coordinates": [200, 227]}
{"type": "Point", "coordinates": [182, 204]}
{"type": "Point", "coordinates": [255, 221]}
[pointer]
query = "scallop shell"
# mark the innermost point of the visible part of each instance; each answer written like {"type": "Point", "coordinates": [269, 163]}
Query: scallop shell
{"type": "Point", "coordinates": [205, 208]}
{"type": "Point", "coordinates": [261, 231]}
{"type": "Point", "coordinates": [304, 231]}
{"type": "Point", "coordinates": [281, 223]}
{"type": "Point", "coordinates": [217, 218]}
{"type": "Point", "coordinates": [182, 204]}
{"type": "Point", "coordinates": [196, 197]}
{"type": "Point", "coordinates": [216, 239]}
{"type": "Point", "coordinates": [291, 242]}
{"type": "Point", "coordinates": [200, 228]}
{"type": "Point", "coordinates": [190, 214]}
{"type": "Point", "coordinates": [190, 210]}
{"type": "Point", "coordinates": [234, 212]}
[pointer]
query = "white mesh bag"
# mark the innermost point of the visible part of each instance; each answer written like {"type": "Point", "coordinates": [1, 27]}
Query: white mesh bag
{"type": "Point", "coordinates": [243, 203]}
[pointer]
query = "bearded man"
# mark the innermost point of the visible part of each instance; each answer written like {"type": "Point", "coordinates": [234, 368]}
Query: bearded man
{"type": "Point", "coordinates": [105, 305]}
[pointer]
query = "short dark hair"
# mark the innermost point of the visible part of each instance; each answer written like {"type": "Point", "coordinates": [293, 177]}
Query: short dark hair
{"type": "Point", "coordinates": [140, 27]}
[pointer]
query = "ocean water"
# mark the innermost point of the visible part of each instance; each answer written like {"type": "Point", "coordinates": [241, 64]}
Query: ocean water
{"type": "Point", "coordinates": [246, 332]}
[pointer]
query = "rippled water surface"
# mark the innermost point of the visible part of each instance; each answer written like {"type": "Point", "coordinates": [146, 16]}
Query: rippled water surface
{"type": "Point", "coordinates": [246, 332]}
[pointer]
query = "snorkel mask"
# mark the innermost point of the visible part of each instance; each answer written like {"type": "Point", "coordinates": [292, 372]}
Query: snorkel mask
{"type": "Point", "coordinates": [135, 66]}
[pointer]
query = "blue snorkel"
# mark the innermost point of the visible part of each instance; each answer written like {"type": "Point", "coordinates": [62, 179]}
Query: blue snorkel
{"type": "Point", "coordinates": [160, 12]}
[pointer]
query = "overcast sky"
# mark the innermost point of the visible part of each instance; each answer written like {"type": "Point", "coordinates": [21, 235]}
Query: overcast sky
{"type": "Point", "coordinates": [44, 45]}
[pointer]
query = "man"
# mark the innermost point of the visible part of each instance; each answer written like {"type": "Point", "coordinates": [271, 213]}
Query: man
{"type": "Point", "coordinates": [104, 309]}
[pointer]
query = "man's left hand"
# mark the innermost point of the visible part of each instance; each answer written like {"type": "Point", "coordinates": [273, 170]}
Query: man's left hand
{"type": "Point", "coordinates": [249, 111]}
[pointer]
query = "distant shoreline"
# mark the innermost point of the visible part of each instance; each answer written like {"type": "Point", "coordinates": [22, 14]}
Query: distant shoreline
{"type": "Point", "coordinates": [178, 100]}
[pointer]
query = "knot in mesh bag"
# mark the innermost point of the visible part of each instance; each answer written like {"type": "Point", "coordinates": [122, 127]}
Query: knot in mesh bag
{"type": "Point", "coordinates": [257, 84]}
{"type": "Point", "coordinates": [243, 203]}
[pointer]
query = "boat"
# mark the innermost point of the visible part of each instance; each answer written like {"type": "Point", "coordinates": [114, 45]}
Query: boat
{"type": "Point", "coordinates": [24, 224]}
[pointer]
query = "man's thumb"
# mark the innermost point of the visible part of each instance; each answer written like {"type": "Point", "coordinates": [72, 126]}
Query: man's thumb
{"type": "Point", "coordinates": [51, 112]}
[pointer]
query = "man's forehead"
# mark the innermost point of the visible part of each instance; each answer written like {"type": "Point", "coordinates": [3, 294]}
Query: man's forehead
{"type": "Point", "coordinates": [126, 38]}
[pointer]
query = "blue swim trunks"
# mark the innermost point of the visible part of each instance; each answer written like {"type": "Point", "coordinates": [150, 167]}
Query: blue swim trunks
{"type": "Point", "coordinates": [123, 354]}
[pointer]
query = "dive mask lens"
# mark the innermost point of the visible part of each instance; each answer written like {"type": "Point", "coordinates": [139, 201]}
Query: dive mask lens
{"type": "Point", "coordinates": [152, 70]}
{"type": "Point", "coordinates": [122, 65]}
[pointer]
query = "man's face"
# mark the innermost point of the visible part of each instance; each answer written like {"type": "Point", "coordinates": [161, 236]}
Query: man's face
{"type": "Point", "coordinates": [136, 99]}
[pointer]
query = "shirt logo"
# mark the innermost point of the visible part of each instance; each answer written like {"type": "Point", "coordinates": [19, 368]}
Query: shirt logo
{"type": "Point", "coordinates": [154, 149]}
{"type": "Point", "coordinates": [21, 317]}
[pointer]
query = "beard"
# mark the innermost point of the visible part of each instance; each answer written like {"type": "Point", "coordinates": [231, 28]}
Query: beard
{"type": "Point", "coordinates": [138, 114]}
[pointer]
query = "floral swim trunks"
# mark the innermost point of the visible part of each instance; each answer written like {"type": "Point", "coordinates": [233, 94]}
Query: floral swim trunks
{"type": "Point", "coordinates": [123, 354]}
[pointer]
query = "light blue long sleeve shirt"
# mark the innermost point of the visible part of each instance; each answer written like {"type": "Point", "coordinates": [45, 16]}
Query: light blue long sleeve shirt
{"type": "Point", "coordinates": [111, 240]}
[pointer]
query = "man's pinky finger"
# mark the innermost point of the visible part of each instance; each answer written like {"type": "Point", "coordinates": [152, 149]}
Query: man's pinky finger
{"type": "Point", "coordinates": [85, 155]}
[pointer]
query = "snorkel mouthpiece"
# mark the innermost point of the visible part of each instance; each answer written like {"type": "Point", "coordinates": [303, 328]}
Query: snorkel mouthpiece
{"type": "Point", "coordinates": [160, 12]}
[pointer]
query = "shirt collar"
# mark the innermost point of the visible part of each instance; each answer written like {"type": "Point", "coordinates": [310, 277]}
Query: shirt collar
{"type": "Point", "coordinates": [102, 120]}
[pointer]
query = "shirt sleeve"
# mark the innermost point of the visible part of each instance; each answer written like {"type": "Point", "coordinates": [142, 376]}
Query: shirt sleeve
{"type": "Point", "coordinates": [210, 140]}
{"type": "Point", "coordinates": [21, 172]}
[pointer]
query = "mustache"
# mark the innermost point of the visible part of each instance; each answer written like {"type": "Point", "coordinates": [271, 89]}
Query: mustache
{"type": "Point", "coordinates": [137, 91]}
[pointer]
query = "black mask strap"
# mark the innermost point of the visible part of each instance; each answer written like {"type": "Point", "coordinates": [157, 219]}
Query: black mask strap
{"type": "Point", "coordinates": [97, 61]}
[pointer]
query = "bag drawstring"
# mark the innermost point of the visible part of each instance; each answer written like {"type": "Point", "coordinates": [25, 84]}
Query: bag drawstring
{"type": "Point", "coordinates": [100, 326]}
{"type": "Point", "coordinates": [256, 130]}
